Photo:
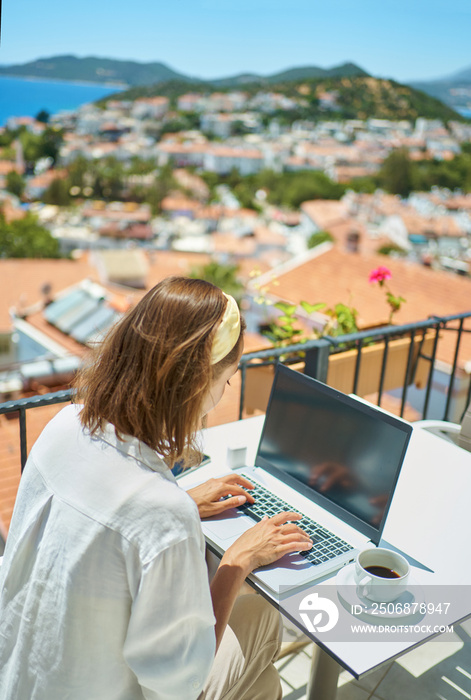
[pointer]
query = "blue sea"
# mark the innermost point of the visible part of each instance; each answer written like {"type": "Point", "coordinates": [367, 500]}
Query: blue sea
{"type": "Point", "coordinates": [25, 97]}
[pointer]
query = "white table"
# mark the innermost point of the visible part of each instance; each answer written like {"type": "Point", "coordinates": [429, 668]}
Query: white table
{"type": "Point", "coordinates": [429, 520]}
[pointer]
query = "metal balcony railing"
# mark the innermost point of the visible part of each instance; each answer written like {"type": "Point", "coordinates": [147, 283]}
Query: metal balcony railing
{"type": "Point", "coordinates": [315, 355]}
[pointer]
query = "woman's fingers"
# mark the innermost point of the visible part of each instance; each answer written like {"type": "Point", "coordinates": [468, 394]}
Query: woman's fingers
{"type": "Point", "coordinates": [291, 528]}
{"type": "Point", "coordinates": [270, 539]}
{"type": "Point", "coordinates": [232, 502]}
{"type": "Point", "coordinates": [284, 517]}
{"type": "Point", "coordinates": [289, 547]}
{"type": "Point", "coordinates": [301, 538]}
{"type": "Point", "coordinates": [233, 489]}
{"type": "Point", "coordinates": [239, 479]}
{"type": "Point", "coordinates": [285, 531]}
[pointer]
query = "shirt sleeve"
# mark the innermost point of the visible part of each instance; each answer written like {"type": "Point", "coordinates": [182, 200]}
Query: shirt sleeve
{"type": "Point", "coordinates": [170, 642]}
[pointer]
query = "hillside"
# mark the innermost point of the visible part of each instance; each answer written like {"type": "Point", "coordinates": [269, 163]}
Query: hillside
{"type": "Point", "coordinates": [97, 70]}
{"type": "Point", "coordinates": [386, 99]}
{"type": "Point", "coordinates": [357, 95]}
{"type": "Point", "coordinates": [454, 90]}
{"type": "Point", "coordinates": [292, 74]}
{"type": "Point", "coordinates": [133, 73]}
{"type": "Point", "coordinates": [356, 98]}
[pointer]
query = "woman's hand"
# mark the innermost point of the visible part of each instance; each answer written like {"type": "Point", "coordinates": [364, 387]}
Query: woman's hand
{"type": "Point", "coordinates": [266, 542]}
{"type": "Point", "coordinates": [208, 495]}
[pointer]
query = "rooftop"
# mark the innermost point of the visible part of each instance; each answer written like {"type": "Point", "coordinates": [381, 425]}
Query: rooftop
{"type": "Point", "coordinates": [333, 275]}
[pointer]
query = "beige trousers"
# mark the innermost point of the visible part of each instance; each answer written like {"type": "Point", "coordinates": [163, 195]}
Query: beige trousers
{"type": "Point", "coordinates": [243, 667]}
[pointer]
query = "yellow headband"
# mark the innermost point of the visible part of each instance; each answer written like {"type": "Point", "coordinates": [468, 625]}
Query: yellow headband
{"type": "Point", "coordinates": [228, 331]}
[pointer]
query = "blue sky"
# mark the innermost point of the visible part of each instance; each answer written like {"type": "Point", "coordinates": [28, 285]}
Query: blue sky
{"type": "Point", "coordinates": [402, 39]}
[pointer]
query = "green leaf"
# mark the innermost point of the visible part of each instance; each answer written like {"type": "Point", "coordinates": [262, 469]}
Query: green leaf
{"type": "Point", "coordinates": [288, 309]}
{"type": "Point", "coordinates": [310, 308]}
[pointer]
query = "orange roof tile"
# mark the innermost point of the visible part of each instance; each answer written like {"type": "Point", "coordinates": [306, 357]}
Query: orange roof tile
{"type": "Point", "coordinates": [21, 281]}
{"type": "Point", "coordinates": [241, 213]}
{"type": "Point", "coordinates": [229, 152]}
{"type": "Point", "coordinates": [179, 202]}
{"type": "Point", "coordinates": [324, 212]}
{"type": "Point", "coordinates": [7, 166]}
{"type": "Point", "coordinates": [340, 230]}
{"type": "Point", "coordinates": [337, 276]}
{"type": "Point", "coordinates": [11, 212]}
{"type": "Point", "coordinates": [140, 214]}
{"type": "Point", "coordinates": [458, 202]}
{"type": "Point", "coordinates": [265, 236]}
{"type": "Point", "coordinates": [214, 212]}
{"type": "Point", "coordinates": [159, 100]}
{"type": "Point", "coordinates": [345, 173]}
{"type": "Point", "coordinates": [192, 182]}
{"type": "Point", "coordinates": [10, 455]}
{"type": "Point", "coordinates": [171, 147]}
{"type": "Point", "coordinates": [427, 226]}
{"type": "Point", "coordinates": [238, 246]}
{"type": "Point", "coordinates": [45, 179]}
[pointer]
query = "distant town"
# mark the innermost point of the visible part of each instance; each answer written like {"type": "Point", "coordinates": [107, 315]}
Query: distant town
{"type": "Point", "coordinates": [239, 188]}
{"type": "Point", "coordinates": [228, 185]}
{"type": "Point", "coordinates": [168, 178]}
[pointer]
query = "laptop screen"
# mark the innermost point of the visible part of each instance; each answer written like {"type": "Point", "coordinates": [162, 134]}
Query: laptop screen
{"type": "Point", "coordinates": [340, 452]}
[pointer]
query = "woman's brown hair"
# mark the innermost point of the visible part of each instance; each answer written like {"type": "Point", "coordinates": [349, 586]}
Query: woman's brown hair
{"type": "Point", "coordinates": [151, 373]}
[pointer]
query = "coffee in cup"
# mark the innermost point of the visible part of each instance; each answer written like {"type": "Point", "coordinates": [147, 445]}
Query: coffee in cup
{"type": "Point", "coordinates": [381, 575]}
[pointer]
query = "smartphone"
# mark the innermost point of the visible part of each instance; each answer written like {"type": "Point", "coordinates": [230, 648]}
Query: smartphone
{"type": "Point", "coordinates": [179, 470]}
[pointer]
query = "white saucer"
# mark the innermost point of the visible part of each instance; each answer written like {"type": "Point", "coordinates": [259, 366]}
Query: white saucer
{"type": "Point", "coordinates": [406, 605]}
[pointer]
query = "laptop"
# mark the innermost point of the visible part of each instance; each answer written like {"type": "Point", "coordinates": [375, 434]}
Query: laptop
{"type": "Point", "coordinates": [332, 458]}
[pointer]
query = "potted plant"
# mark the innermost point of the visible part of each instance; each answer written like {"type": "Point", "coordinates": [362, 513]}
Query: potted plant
{"type": "Point", "coordinates": [305, 321]}
{"type": "Point", "coordinates": [342, 365]}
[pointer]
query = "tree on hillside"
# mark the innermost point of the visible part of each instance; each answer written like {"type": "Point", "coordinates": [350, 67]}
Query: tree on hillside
{"type": "Point", "coordinates": [15, 183]}
{"type": "Point", "coordinates": [184, 121]}
{"type": "Point", "coordinates": [58, 193]}
{"type": "Point", "coordinates": [223, 276]}
{"type": "Point", "coordinates": [25, 238]}
{"type": "Point", "coordinates": [397, 173]}
{"type": "Point", "coordinates": [78, 171]}
{"type": "Point", "coordinates": [392, 249]}
{"type": "Point", "coordinates": [141, 166]}
{"type": "Point", "coordinates": [367, 184]}
{"type": "Point", "coordinates": [43, 116]}
{"type": "Point", "coordinates": [45, 145]}
{"type": "Point", "coordinates": [453, 174]}
{"type": "Point", "coordinates": [295, 188]}
{"type": "Point", "coordinates": [6, 138]}
{"type": "Point", "coordinates": [163, 184]}
{"type": "Point", "coordinates": [109, 177]}
{"type": "Point", "coordinates": [50, 143]}
{"type": "Point", "coordinates": [319, 237]}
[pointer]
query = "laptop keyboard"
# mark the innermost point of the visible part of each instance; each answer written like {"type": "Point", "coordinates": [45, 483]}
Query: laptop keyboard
{"type": "Point", "coordinates": [326, 545]}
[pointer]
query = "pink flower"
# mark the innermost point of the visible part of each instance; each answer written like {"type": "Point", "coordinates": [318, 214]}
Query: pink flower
{"type": "Point", "coordinates": [380, 274]}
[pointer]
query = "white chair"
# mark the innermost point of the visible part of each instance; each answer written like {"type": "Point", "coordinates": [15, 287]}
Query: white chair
{"type": "Point", "coordinates": [458, 433]}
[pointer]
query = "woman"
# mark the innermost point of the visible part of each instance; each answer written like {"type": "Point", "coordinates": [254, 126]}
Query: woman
{"type": "Point", "coordinates": [105, 590]}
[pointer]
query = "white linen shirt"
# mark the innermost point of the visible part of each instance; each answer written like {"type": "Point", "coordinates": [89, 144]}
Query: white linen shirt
{"type": "Point", "coordinates": [104, 587]}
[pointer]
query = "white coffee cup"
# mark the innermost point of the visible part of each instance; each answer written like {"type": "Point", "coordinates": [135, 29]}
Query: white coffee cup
{"type": "Point", "coordinates": [381, 575]}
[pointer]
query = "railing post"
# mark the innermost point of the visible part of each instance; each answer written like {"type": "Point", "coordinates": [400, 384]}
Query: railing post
{"type": "Point", "coordinates": [243, 376]}
{"type": "Point", "coordinates": [357, 366]}
{"type": "Point", "coordinates": [430, 374]}
{"type": "Point", "coordinates": [449, 393]}
{"type": "Point", "coordinates": [317, 361]}
{"type": "Point", "coordinates": [405, 385]}
{"type": "Point", "coordinates": [23, 444]}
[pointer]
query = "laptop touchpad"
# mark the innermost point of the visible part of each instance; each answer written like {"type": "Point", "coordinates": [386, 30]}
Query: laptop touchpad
{"type": "Point", "coordinates": [228, 525]}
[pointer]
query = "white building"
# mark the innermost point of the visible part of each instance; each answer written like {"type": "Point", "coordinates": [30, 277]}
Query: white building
{"type": "Point", "coordinates": [150, 108]}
